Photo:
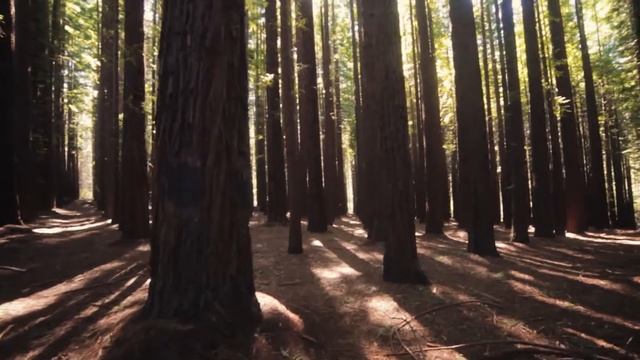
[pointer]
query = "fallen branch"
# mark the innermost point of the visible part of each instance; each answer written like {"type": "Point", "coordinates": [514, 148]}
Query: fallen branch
{"type": "Point", "coordinates": [443, 307]}
{"type": "Point", "coordinates": [5, 331]}
{"type": "Point", "coordinates": [309, 338]}
{"type": "Point", "coordinates": [11, 268]}
{"type": "Point", "coordinates": [563, 351]}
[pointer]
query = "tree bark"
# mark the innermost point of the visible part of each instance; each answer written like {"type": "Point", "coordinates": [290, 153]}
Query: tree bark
{"type": "Point", "coordinates": [542, 198]}
{"type": "Point", "coordinates": [341, 191]}
{"type": "Point", "coordinates": [294, 156]}
{"type": "Point", "coordinates": [276, 178]}
{"type": "Point", "coordinates": [260, 132]}
{"type": "Point", "coordinates": [386, 108]}
{"type": "Point", "coordinates": [575, 187]}
{"type": "Point", "coordinates": [134, 219]}
{"type": "Point", "coordinates": [309, 118]}
{"type": "Point", "coordinates": [358, 195]}
{"type": "Point", "coordinates": [58, 119]}
{"type": "Point", "coordinates": [201, 265]}
{"type": "Point", "coordinates": [472, 136]}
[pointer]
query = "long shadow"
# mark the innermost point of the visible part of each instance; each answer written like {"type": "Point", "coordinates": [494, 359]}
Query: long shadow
{"type": "Point", "coordinates": [31, 329]}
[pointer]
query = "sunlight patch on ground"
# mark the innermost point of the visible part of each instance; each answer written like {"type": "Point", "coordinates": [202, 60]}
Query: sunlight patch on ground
{"type": "Point", "coordinates": [316, 243]}
{"type": "Point", "coordinates": [60, 229]}
{"type": "Point", "coordinates": [272, 307]}
{"type": "Point", "coordinates": [598, 342]}
{"type": "Point", "coordinates": [622, 240]}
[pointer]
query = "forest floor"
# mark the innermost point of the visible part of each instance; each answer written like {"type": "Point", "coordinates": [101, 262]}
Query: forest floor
{"type": "Point", "coordinates": [78, 291]}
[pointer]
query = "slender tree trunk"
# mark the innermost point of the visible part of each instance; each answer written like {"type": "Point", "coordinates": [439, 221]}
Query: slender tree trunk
{"type": "Point", "coordinates": [542, 198]}
{"type": "Point", "coordinates": [575, 189]}
{"type": "Point", "coordinates": [341, 191]}
{"type": "Point", "coordinates": [386, 105]}
{"type": "Point", "coordinates": [276, 178]}
{"type": "Point", "coordinates": [309, 117]}
{"type": "Point", "coordinates": [514, 131]}
{"type": "Point", "coordinates": [472, 136]}
{"type": "Point", "coordinates": [635, 14]}
{"type": "Point", "coordinates": [436, 164]}
{"type": "Point", "coordinates": [201, 266]}
{"type": "Point", "coordinates": [134, 220]}
{"type": "Point", "coordinates": [499, 115]}
{"type": "Point", "coordinates": [260, 133]}
{"type": "Point", "coordinates": [8, 197]}
{"type": "Point", "coordinates": [58, 120]}
{"type": "Point", "coordinates": [358, 111]}
{"type": "Point", "coordinates": [609, 159]}
{"type": "Point", "coordinates": [294, 156]}
{"type": "Point", "coordinates": [596, 183]}
{"type": "Point", "coordinates": [630, 218]}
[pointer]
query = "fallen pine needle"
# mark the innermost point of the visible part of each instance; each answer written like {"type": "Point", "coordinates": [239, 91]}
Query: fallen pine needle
{"type": "Point", "coordinates": [11, 268]}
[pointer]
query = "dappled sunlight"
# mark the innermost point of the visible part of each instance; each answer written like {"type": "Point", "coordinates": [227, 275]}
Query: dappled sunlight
{"type": "Point", "coordinates": [61, 229]}
{"type": "Point", "coordinates": [599, 342]}
{"type": "Point", "coordinates": [606, 239]}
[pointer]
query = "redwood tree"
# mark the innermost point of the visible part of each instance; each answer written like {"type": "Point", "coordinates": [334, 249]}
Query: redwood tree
{"type": "Point", "coordinates": [201, 266]}
{"type": "Point", "coordinates": [134, 219]}
{"type": "Point", "coordinates": [393, 220]}
{"type": "Point", "coordinates": [472, 135]}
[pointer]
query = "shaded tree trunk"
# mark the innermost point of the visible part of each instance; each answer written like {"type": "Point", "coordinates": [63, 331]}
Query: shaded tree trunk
{"type": "Point", "coordinates": [472, 136]}
{"type": "Point", "coordinates": [609, 161]}
{"type": "Point", "coordinates": [276, 178]}
{"type": "Point", "coordinates": [542, 198]}
{"type": "Point", "coordinates": [386, 108]}
{"type": "Point", "coordinates": [436, 164]}
{"type": "Point", "coordinates": [635, 14]}
{"type": "Point", "coordinates": [309, 117]}
{"type": "Point", "coordinates": [499, 115]}
{"type": "Point", "coordinates": [58, 119]}
{"type": "Point", "coordinates": [134, 219]}
{"type": "Point", "coordinates": [201, 264]}
{"type": "Point", "coordinates": [358, 195]}
{"type": "Point", "coordinates": [260, 134]}
{"type": "Point", "coordinates": [575, 189]}
{"type": "Point", "coordinates": [341, 191]}
{"type": "Point", "coordinates": [514, 131]}
{"type": "Point", "coordinates": [294, 156]}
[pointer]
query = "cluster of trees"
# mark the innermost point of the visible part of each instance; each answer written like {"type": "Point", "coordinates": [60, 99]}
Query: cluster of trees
{"type": "Point", "coordinates": [531, 145]}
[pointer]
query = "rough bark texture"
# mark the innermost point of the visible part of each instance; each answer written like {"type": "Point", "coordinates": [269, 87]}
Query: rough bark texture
{"type": "Point", "coordinates": [386, 106]}
{"type": "Point", "coordinates": [260, 132]}
{"type": "Point", "coordinates": [276, 178]}
{"type": "Point", "coordinates": [596, 184]}
{"type": "Point", "coordinates": [8, 197]}
{"type": "Point", "coordinates": [201, 266]}
{"type": "Point", "coordinates": [436, 164]}
{"type": "Point", "coordinates": [134, 219]}
{"type": "Point", "coordinates": [575, 187]}
{"type": "Point", "coordinates": [294, 156]}
{"type": "Point", "coordinates": [329, 123]}
{"type": "Point", "coordinates": [542, 199]}
{"type": "Point", "coordinates": [514, 130]}
{"type": "Point", "coordinates": [472, 136]}
{"type": "Point", "coordinates": [309, 118]}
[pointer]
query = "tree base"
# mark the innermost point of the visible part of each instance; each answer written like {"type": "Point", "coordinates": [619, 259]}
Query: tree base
{"type": "Point", "coordinates": [401, 276]}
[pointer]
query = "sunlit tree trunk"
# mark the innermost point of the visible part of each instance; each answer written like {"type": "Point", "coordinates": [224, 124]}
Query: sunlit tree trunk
{"type": "Point", "coordinates": [341, 191]}
{"type": "Point", "coordinates": [358, 110]}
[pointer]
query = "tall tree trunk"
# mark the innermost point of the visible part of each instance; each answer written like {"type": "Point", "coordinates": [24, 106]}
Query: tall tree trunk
{"type": "Point", "coordinates": [609, 159]}
{"type": "Point", "coordinates": [386, 107]}
{"type": "Point", "coordinates": [542, 198]}
{"type": "Point", "coordinates": [358, 111]}
{"type": "Point", "coordinates": [341, 190]}
{"type": "Point", "coordinates": [276, 178]}
{"type": "Point", "coordinates": [575, 189]}
{"type": "Point", "coordinates": [134, 219]}
{"type": "Point", "coordinates": [635, 15]}
{"type": "Point", "coordinates": [8, 197]}
{"type": "Point", "coordinates": [309, 117]}
{"type": "Point", "coordinates": [420, 159]}
{"type": "Point", "coordinates": [505, 166]}
{"type": "Point", "coordinates": [329, 124]}
{"type": "Point", "coordinates": [58, 119]}
{"type": "Point", "coordinates": [294, 156]}
{"type": "Point", "coordinates": [260, 132]}
{"type": "Point", "coordinates": [596, 183]}
{"type": "Point", "coordinates": [514, 131]}
{"type": "Point", "coordinates": [436, 164]}
{"type": "Point", "coordinates": [201, 265]}
{"type": "Point", "coordinates": [630, 213]}
{"type": "Point", "coordinates": [472, 136]}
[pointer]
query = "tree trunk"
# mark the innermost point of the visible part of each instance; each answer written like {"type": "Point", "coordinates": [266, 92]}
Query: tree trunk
{"type": "Point", "coordinates": [386, 108]}
{"type": "Point", "coordinates": [436, 164]}
{"type": "Point", "coordinates": [596, 184]}
{"type": "Point", "coordinates": [635, 9]}
{"type": "Point", "coordinates": [58, 119]}
{"type": "Point", "coordinates": [309, 118]}
{"type": "Point", "coordinates": [472, 136]}
{"type": "Point", "coordinates": [341, 191]}
{"type": "Point", "coordinates": [8, 197]}
{"type": "Point", "coordinates": [514, 131]}
{"type": "Point", "coordinates": [201, 265]}
{"type": "Point", "coordinates": [358, 195]}
{"type": "Point", "coordinates": [276, 178]}
{"type": "Point", "coordinates": [630, 213]}
{"type": "Point", "coordinates": [294, 156]}
{"type": "Point", "coordinates": [542, 198]}
{"type": "Point", "coordinates": [575, 189]}
{"type": "Point", "coordinates": [609, 159]}
{"type": "Point", "coordinates": [260, 133]}
{"type": "Point", "coordinates": [134, 219]}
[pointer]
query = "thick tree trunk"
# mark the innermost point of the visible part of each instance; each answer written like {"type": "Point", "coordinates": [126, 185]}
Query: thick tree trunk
{"type": "Point", "coordinates": [134, 219]}
{"type": "Point", "coordinates": [309, 117]}
{"type": "Point", "coordinates": [542, 198]}
{"type": "Point", "coordinates": [436, 164]}
{"type": "Point", "coordinates": [386, 107]}
{"type": "Point", "coordinates": [294, 156]}
{"type": "Point", "coordinates": [201, 266]}
{"type": "Point", "coordinates": [8, 197]}
{"type": "Point", "coordinates": [514, 131]}
{"type": "Point", "coordinates": [575, 189]}
{"type": "Point", "coordinates": [329, 123]}
{"type": "Point", "coordinates": [276, 178]}
{"type": "Point", "coordinates": [596, 183]}
{"type": "Point", "coordinates": [472, 136]}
